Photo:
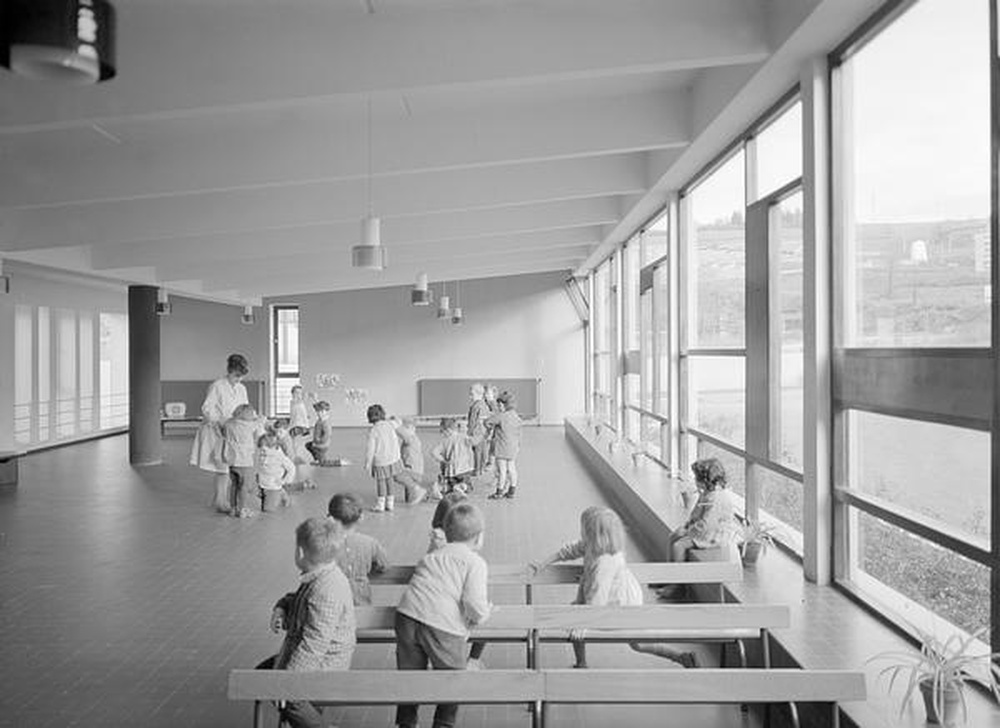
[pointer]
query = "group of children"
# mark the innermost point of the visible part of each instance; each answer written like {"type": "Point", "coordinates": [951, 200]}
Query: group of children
{"type": "Point", "coordinates": [447, 595]}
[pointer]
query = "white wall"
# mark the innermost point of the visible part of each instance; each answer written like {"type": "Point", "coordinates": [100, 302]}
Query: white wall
{"type": "Point", "coordinates": [519, 326]}
{"type": "Point", "coordinates": [197, 336]}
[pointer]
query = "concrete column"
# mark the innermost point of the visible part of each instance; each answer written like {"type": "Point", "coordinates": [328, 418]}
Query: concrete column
{"type": "Point", "coordinates": [144, 377]}
{"type": "Point", "coordinates": [6, 370]}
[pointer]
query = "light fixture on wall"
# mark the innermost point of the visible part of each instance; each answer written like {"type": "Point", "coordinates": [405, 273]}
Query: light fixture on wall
{"type": "Point", "coordinates": [163, 307]}
{"type": "Point", "coordinates": [444, 304]}
{"type": "Point", "coordinates": [456, 313]}
{"type": "Point", "coordinates": [248, 317]}
{"type": "Point", "coordinates": [369, 254]}
{"type": "Point", "coordinates": [421, 293]}
{"type": "Point", "coordinates": [69, 41]}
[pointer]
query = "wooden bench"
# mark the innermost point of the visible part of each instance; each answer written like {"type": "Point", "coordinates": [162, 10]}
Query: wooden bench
{"type": "Point", "coordinates": [711, 573]}
{"type": "Point", "coordinates": [534, 624]}
{"type": "Point", "coordinates": [545, 688]}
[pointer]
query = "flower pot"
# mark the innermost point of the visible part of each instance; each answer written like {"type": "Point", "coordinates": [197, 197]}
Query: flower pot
{"type": "Point", "coordinates": [951, 704]}
{"type": "Point", "coordinates": [750, 553]}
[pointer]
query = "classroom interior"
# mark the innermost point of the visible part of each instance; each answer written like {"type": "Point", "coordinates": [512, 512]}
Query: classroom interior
{"type": "Point", "coordinates": [762, 231]}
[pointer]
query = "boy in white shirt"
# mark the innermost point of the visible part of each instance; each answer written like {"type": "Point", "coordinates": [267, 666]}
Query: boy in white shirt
{"type": "Point", "coordinates": [445, 597]}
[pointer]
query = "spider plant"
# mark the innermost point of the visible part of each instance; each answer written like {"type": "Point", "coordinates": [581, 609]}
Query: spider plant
{"type": "Point", "coordinates": [942, 668]}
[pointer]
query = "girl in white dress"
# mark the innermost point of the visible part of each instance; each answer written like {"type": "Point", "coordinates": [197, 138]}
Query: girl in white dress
{"type": "Point", "coordinates": [224, 396]}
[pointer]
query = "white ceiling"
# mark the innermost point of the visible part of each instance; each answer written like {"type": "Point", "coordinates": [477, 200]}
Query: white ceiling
{"type": "Point", "coordinates": [229, 158]}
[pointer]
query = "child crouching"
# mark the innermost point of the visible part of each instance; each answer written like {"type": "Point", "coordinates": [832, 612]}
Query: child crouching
{"type": "Point", "coordinates": [446, 596]}
{"type": "Point", "coordinates": [318, 618]}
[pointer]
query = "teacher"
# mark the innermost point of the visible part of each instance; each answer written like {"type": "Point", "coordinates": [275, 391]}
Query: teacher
{"type": "Point", "coordinates": [224, 395]}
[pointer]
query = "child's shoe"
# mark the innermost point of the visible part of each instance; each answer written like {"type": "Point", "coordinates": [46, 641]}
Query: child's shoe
{"type": "Point", "coordinates": [510, 492]}
{"type": "Point", "coordinates": [308, 484]}
{"type": "Point", "coordinates": [379, 506]}
{"type": "Point", "coordinates": [497, 494]}
{"type": "Point", "coordinates": [246, 513]}
{"type": "Point", "coordinates": [390, 502]}
{"type": "Point", "coordinates": [475, 664]}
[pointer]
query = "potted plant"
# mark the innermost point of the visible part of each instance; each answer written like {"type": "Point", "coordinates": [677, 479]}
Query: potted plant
{"type": "Point", "coordinates": [940, 670]}
{"type": "Point", "coordinates": [753, 539]}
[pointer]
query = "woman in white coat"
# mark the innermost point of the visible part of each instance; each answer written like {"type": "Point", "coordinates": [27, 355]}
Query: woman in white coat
{"type": "Point", "coordinates": [224, 395]}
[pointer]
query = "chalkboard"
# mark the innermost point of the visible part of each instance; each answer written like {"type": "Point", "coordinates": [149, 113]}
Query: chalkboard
{"type": "Point", "coordinates": [450, 397]}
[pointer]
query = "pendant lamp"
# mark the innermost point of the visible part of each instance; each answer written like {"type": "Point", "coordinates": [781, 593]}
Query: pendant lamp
{"type": "Point", "coordinates": [456, 313]}
{"type": "Point", "coordinates": [68, 41]}
{"type": "Point", "coordinates": [444, 304]}
{"type": "Point", "coordinates": [163, 307]}
{"type": "Point", "coordinates": [369, 254]}
{"type": "Point", "coordinates": [248, 317]}
{"type": "Point", "coordinates": [421, 294]}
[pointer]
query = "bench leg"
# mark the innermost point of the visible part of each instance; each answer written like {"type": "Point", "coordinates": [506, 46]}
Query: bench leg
{"type": "Point", "coordinates": [794, 712]}
{"type": "Point", "coordinates": [835, 716]}
{"type": "Point", "coordinates": [258, 714]}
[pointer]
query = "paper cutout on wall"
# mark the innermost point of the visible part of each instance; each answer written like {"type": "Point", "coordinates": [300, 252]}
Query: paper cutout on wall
{"type": "Point", "coordinates": [327, 381]}
{"type": "Point", "coordinates": [356, 396]}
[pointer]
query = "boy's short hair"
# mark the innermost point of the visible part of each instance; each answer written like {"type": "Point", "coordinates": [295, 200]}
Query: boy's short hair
{"type": "Point", "coordinates": [268, 439]}
{"type": "Point", "coordinates": [444, 506]}
{"type": "Point", "coordinates": [296, 386]}
{"type": "Point", "coordinates": [710, 472]}
{"type": "Point", "coordinates": [448, 424]}
{"type": "Point", "coordinates": [376, 413]}
{"type": "Point", "coordinates": [464, 522]}
{"type": "Point", "coordinates": [319, 540]}
{"type": "Point", "coordinates": [280, 423]}
{"type": "Point", "coordinates": [244, 412]}
{"type": "Point", "coordinates": [237, 364]}
{"type": "Point", "coordinates": [477, 390]}
{"type": "Point", "coordinates": [321, 406]}
{"type": "Point", "coordinates": [507, 399]}
{"type": "Point", "coordinates": [346, 508]}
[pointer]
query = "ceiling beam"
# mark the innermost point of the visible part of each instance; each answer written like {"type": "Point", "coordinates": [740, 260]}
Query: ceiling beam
{"type": "Point", "coordinates": [246, 152]}
{"type": "Point", "coordinates": [249, 53]}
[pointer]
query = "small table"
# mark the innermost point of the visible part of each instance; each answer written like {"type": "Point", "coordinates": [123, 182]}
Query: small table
{"type": "Point", "coordinates": [164, 420]}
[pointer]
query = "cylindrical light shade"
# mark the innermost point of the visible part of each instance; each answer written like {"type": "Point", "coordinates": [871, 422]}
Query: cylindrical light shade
{"type": "Point", "coordinates": [163, 307]}
{"type": "Point", "coordinates": [456, 315]}
{"type": "Point", "coordinates": [70, 41]}
{"type": "Point", "coordinates": [421, 284]}
{"type": "Point", "coordinates": [248, 317]}
{"type": "Point", "coordinates": [420, 298]}
{"type": "Point", "coordinates": [444, 307]}
{"type": "Point", "coordinates": [370, 254]}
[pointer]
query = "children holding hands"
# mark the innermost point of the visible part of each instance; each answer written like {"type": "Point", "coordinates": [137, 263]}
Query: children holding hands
{"type": "Point", "coordinates": [455, 456]}
{"type": "Point", "coordinates": [239, 450]}
{"type": "Point", "coordinates": [318, 618]}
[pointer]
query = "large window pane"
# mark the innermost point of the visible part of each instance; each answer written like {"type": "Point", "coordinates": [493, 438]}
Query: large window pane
{"type": "Point", "coordinates": [786, 332]}
{"type": "Point", "coordinates": [288, 340]}
{"type": "Point", "coordinates": [917, 180]}
{"type": "Point", "coordinates": [717, 395]}
{"type": "Point", "coordinates": [780, 505]}
{"type": "Point", "coordinates": [44, 373]}
{"type": "Point", "coordinates": [937, 470]}
{"type": "Point", "coordinates": [716, 258]}
{"type": "Point", "coordinates": [652, 437]}
{"type": "Point", "coordinates": [654, 240]}
{"type": "Point", "coordinates": [905, 572]}
{"type": "Point", "coordinates": [661, 322]}
{"type": "Point", "coordinates": [65, 372]}
{"type": "Point", "coordinates": [23, 373]}
{"type": "Point", "coordinates": [779, 151]}
{"type": "Point", "coordinates": [630, 294]}
{"type": "Point", "coordinates": [646, 326]}
{"type": "Point", "coordinates": [114, 370]}
{"type": "Point", "coordinates": [86, 371]}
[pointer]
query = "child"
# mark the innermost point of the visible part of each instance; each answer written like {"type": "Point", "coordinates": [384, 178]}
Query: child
{"type": "Point", "coordinates": [411, 453]}
{"type": "Point", "coordinates": [479, 412]}
{"type": "Point", "coordinates": [446, 596]}
{"type": "Point", "coordinates": [606, 578]}
{"type": "Point", "coordinates": [439, 539]}
{"type": "Point", "coordinates": [275, 470]}
{"type": "Point", "coordinates": [239, 448]}
{"type": "Point", "coordinates": [298, 409]}
{"type": "Point", "coordinates": [382, 457]}
{"type": "Point", "coordinates": [318, 618]}
{"type": "Point", "coordinates": [713, 520]}
{"type": "Point", "coordinates": [287, 444]}
{"type": "Point", "coordinates": [319, 447]}
{"type": "Point", "coordinates": [455, 455]}
{"type": "Point", "coordinates": [506, 426]}
{"type": "Point", "coordinates": [360, 555]}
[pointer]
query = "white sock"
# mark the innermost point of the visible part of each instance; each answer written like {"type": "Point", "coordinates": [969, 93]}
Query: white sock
{"type": "Point", "coordinates": [390, 502]}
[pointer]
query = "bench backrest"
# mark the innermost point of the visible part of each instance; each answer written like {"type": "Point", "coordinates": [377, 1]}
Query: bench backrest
{"type": "Point", "coordinates": [382, 687]}
{"type": "Point", "coordinates": [650, 617]}
{"type": "Point", "coordinates": [715, 572]}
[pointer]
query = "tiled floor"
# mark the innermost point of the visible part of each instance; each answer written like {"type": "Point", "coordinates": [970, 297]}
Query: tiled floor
{"type": "Point", "coordinates": [124, 600]}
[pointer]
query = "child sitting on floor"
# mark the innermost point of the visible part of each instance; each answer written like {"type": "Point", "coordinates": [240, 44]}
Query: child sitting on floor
{"type": "Point", "coordinates": [287, 444]}
{"type": "Point", "coordinates": [445, 597]}
{"type": "Point", "coordinates": [318, 618]}
{"type": "Point", "coordinates": [361, 555]}
{"type": "Point", "coordinates": [275, 470]}
{"type": "Point", "coordinates": [239, 449]}
{"type": "Point", "coordinates": [456, 457]}
{"type": "Point", "coordinates": [606, 578]}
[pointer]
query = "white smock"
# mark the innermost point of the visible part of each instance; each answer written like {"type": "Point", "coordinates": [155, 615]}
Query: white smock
{"type": "Point", "coordinates": [223, 397]}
